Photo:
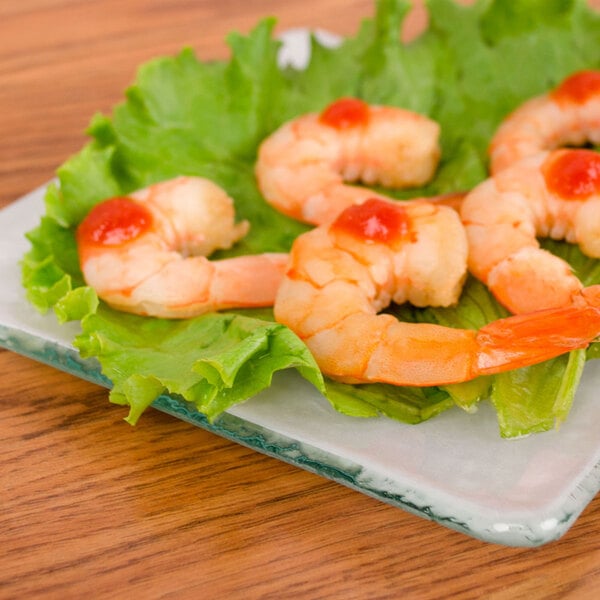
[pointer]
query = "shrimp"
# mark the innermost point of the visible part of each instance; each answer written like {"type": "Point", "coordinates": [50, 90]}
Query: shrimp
{"type": "Point", "coordinates": [569, 115]}
{"type": "Point", "coordinates": [341, 274]}
{"type": "Point", "coordinates": [553, 194]}
{"type": "Point", "coordinates": [146, 253]}
{"type": "Point", "coordinates": [301, 168]}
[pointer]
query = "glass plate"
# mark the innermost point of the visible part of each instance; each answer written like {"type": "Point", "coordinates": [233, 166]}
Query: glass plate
{"type": "Point", "coordinates": [454, 469]}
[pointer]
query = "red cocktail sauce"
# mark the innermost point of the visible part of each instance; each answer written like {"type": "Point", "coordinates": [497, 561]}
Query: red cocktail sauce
{"type": "Point", "coordinates": [114, 222]}
{"type": "Point", "coordinates": [578, 88]}
{"type": "Point", "coordinates": [573, 174]}
{"type": "Point", "coordinates": [345, 113]}
{"type": "Point", "coordinates": [376, 221]}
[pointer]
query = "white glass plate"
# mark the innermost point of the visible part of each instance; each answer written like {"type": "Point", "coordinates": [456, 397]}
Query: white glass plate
{"type": "Point", "coordinates": [454, 469]}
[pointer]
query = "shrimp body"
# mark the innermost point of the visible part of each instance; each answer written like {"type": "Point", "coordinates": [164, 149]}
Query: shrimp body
{"type": "Point", "coordinates": [569, 115]}
{"type": "Point", "coordinates": [147, 253]}
{"type": "Point", "coordinates": [552, 194]}
{"type": "Point", "coordinates": [303, 167]}
{"type": "Point", "coordinates": [342, 274]}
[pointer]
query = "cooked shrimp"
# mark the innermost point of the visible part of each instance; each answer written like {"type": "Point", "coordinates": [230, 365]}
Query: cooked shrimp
{"type": "Point", "coordinates": [553, 194]}
{"type": "Point", "coordinates": [302, 167]}
{"type": "Point", "coordinates": [569, 115]}
{"type": "Point", "coordinates": [342, 274]}
{"type": "Point", "coordinates": [146, 253]}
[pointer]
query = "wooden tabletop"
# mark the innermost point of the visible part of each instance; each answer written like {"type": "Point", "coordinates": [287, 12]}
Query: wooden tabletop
{"type": "Point", "coordinates": [90, 505]}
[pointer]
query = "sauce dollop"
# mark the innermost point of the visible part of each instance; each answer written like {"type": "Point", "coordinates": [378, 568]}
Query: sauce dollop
{"type": "Point", "coordinates": [114, 222]}
{"type": "Point", "coordinates": [375, 220]}
{"type": "Point", "coordinates": [345, 113]}
{"type": "Point", "coordinates": [573, 174]}
{"type": "Point", "coordinates": [578, 88]}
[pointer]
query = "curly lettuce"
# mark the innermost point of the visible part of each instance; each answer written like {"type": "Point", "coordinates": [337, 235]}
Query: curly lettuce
{"type": "Point", "coordinates": [183, 115]}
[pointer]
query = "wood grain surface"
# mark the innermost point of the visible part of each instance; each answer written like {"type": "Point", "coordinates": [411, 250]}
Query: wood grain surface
{"type": "Point", "coordinates": [91, 506]}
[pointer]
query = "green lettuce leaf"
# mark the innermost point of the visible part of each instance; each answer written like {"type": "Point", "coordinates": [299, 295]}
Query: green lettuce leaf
{"type": "Point", "coordinates": [183, 115]}
{"type": "Point", "coordinates": [537, 398]}
{"type": "Point", "coordinates": [406, 404]}
{"type": "Point", "coordinates": [212, 361]}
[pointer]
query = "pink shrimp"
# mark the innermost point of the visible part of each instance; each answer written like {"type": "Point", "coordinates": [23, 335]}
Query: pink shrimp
{"type": "Point", "coordinates": [567, 116]}
{"type": "Point", "coordinates": [302, 167]}
{"type": "Point", "coordinates": [146, 253]}
{"type": "Point", "coordinates": [342, 274]}
{"type": "Point", "coordinates": [552, 194]}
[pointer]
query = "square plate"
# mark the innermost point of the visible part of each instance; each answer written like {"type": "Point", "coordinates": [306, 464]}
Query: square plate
{"type": "Point", "coordinates": [454, 469]}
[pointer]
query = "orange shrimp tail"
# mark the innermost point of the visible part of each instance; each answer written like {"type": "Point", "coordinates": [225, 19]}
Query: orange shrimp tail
{"type": "Point", "coordinates": [531, 338]}
{"type": "Point", "coordinates": [589, 296]}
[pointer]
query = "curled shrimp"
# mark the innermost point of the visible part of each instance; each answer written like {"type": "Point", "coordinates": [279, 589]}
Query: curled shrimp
{"type": "Point", "coordinates": [342, 274]}
{"type": "Point", "coordinates": [569, 115]}
{"type": "Point", "coordinates": [553, 194]}
{"type": "Point", "coordinates": [146, 253]}
{"type": "Point", "coordinates": [303, 166]}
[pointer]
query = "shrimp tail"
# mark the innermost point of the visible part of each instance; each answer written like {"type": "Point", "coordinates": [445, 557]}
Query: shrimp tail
{"type": "Point", "coordinates": [527, 339]}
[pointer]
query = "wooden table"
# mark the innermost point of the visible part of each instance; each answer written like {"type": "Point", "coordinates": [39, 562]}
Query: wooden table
{"type": "Point", "coordinates": [90, 505]}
